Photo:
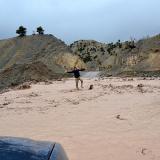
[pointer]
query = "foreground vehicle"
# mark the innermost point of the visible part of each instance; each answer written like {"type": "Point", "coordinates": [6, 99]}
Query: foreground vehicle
{"type": "Point", "coordinates": [26, 149]}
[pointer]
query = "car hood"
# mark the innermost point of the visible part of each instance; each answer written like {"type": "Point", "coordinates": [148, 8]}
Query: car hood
{"type": "Point", "coordinates": [24, 149]}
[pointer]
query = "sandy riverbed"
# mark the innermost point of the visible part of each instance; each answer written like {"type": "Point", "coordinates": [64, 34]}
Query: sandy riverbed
{"type": "Point", "coordinates": [115, 121]}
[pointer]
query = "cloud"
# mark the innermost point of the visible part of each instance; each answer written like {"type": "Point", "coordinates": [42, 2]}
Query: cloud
{"type": "Point", "coordinates": [103, 20]}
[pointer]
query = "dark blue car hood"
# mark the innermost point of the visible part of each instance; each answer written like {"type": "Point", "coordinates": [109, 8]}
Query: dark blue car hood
{"type": "Point", "coordinates": [24, 149]}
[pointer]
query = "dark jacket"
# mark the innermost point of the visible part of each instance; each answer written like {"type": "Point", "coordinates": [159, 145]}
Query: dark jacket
{"type": "Point", "coordinates": [76, 72]}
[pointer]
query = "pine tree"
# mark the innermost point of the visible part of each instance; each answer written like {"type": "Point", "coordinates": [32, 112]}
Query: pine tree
{"type": "Point", "coordinates": [21, 31]}
{"type": "Point", "coordinates": [40, 30]}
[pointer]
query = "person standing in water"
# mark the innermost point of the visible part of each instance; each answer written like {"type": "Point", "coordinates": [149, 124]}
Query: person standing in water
{"type": "Point", "coordinates": [77, 76]}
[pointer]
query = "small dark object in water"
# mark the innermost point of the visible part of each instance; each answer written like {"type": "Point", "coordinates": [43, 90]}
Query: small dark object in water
{"type": "Point", "coordinates": [24, 86]}
{"type": "Point", "coordinates": [6, 103]}
{"type": "Point", "coordinates": [119, 117]}
{"type": "Point", "coordinates": [144, 151]}
{"type": "Point", "coordinates": [140, 85]}
{"type": "Point", "coordinates": [91, 87]}
{"type": "Point", "coordinates": [48, 82]}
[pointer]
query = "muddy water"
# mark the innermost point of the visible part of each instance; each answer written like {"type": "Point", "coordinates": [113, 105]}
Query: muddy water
{"type": "Point", "coordinates": [91, 74]}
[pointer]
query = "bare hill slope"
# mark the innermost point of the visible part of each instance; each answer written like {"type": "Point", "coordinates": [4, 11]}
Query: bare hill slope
{"type": "Point", "coordinates": [23, 59]}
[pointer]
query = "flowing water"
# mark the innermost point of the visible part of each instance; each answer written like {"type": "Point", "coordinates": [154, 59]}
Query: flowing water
{"type": "Point", "coordinates": [91, 74]}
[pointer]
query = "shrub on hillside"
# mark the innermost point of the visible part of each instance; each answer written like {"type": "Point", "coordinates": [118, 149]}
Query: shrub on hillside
{"type": "Point", "coordinates": [40, 30]}
{"type": "Point", "coordinates": [21, 31]}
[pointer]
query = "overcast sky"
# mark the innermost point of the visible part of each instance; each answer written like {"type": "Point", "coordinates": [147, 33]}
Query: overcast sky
{"type": "Point", "coordinates": [71, 20]}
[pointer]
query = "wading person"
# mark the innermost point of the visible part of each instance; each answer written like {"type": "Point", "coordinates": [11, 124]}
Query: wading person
{"type": "Point", "coordinates": [77, 76]}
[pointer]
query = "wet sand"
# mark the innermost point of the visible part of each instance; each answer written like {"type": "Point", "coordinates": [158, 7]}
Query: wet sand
{"type": "Point", "coordinates": [118, 120]}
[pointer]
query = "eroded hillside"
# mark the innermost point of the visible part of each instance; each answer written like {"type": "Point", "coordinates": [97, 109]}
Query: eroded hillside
{"type": "Point", "coordinates": [129, 56]}
{"type": "Point", "coordinates": [36, 57]}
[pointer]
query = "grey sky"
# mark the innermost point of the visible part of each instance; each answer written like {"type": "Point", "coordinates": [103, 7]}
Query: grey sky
{"type": "Point", "coordinates": [70, 20]}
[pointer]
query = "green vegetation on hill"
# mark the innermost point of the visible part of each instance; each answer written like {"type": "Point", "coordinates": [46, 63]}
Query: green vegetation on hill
{"type": "Point", "coordinates": [40, 30]}
{"type": "Point", "coordinates": [115, 58]}
{"type": "Point", "coordinates": [21, 31]}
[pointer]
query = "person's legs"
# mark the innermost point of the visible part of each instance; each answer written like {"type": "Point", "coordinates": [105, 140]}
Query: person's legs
{"type": "Point", "coordinates": [81, 82]}
{"type": "Point", "coordinates": [77, 80]}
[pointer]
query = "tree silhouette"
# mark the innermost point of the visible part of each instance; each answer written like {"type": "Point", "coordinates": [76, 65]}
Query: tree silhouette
{"type": "Point", "coordinates": [21, 31]}
{"type": "Point", "coordinates": [40, 30]}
